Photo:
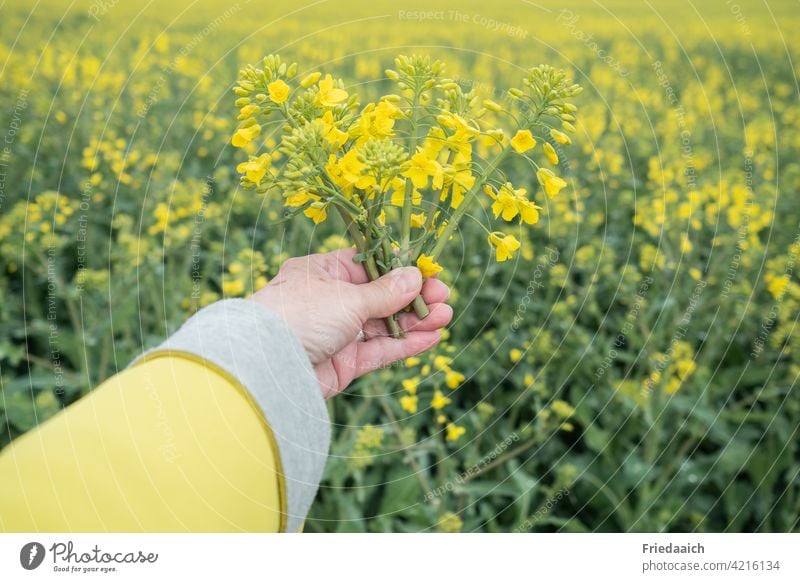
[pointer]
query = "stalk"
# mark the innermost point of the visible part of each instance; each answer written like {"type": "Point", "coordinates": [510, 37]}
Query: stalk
{"type": "Point", "coordinates": [407, 202]}
{"type": "Point", "coordinates": [371, 267]}
{"type": "Point", "coordinates": [418, 305]}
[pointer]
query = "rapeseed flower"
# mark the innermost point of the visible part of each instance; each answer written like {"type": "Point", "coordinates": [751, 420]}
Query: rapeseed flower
{"type": "Point", "coordinates": [278, 91]}
{"type": "Point", "coordinates": [329, 94]}
{"type": "Point", "coordinates": [523, 141]}
{"type": "Point", "coordinates": [504, 244]}
{"type": "Point", "coordinates": [552, 184]}
{"type": "Point", "coordinates": [428, 266]}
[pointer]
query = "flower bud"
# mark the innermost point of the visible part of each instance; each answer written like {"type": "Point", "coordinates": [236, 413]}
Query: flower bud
{"type": "Point", "coordinates": [310, 79]}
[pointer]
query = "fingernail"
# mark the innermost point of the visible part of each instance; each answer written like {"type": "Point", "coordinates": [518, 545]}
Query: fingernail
{"type": "Point", "coordinates": [407, 279]}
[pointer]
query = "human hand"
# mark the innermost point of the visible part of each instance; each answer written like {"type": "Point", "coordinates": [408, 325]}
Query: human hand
{"type": "Point", "coordinates": [327, 300]}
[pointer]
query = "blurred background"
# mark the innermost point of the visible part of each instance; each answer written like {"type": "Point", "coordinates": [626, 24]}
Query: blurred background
{"type": "Point", "coordinates": [635, 369]}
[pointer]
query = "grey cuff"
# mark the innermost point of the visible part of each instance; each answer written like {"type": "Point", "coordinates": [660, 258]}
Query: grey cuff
{"type": "Point", "coordinates": [255, 345]}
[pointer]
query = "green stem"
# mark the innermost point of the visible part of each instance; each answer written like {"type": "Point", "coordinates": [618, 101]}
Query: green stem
{"type": "Point", "coordinates": [408, 201]}
{"type": "Point", "coordinates": [389, 257]}
{"type": "Point", "coordinates": [420, 307]}
{"type": "Point", "coordinates": [371, 267]}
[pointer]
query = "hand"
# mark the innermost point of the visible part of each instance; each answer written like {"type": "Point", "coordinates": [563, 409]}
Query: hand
{"type": "Point", "coordinates": [327, 300]}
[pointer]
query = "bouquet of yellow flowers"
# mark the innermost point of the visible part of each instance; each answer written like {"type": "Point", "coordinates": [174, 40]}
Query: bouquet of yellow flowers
{"type": "Point", "coordinates": [402, 171]}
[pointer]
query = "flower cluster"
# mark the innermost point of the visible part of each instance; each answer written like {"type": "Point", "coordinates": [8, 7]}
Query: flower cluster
{"type": "Point", "coordinates": [402, 171]}
{"type": "Point", "coordinates": [440, 365]}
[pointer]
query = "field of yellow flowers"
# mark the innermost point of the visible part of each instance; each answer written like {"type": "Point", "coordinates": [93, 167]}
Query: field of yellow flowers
{"type": "Point", "coordinates": [634, 367]}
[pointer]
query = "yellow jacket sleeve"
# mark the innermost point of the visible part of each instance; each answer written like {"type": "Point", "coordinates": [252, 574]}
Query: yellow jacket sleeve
{"type": "Point", "coordinates": [169, 445]}
{"type": "Point", "coordinates": [181, 441]}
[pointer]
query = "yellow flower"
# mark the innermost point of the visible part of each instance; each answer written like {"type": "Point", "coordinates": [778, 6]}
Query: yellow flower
{"type": "Point", "coordinates": [552, 183]}
{"type": "Point", "coordinates": [412, 361]}
{"type": "Point", "coordinates": [455, 432]}
{"type": "Point", "coordinates": [439, 400]}
{"type": "Point", "coordinates": [399, 195]}
{"type": "Point", "coordinates": [459, 174]}
{"type": "Point", "coordinates": [515, 355]}
{"type": "Point", "coordinates": [450, 523]}
{"type": "Point", "coordinates": [777, 285]}
{"type": "Point", "coordinates": [333, 134]}
{"type": "Point", "coordinates": [434, 142]}
{"type": "Point", "coordinates": [492, 105]}
{"type": "Point", "coordinates": [685, 368]}
{"type": "Point", "coordinates": [453, 379]}
{"type": "Point", "coordinates": [317, 212]}
{"type": "Point", "coordinates": [551, 154]}
{"type": "Point", "coordinates": [562, 408]}
{"type": "Point", "coordinates": [686, 244]}
{"type": "Point", "coordinates": [349, 169]}
{"type": "Point", "coordinates": [428, 266]}
{"type": "Point", "coordinates": [256, 168]}
{"type": "Point", "coordinates": [528, 212]}
{"type": "Point", "coordinates": [409, 404]}
{"type": "Point", "coordinates": [418, 220]}
{"type": "Point", "coordinates": [329, 94]}
{"type": "Point", "coordinates": [235, 287]}
{"type": "Point", "coordinates": [505, 245]}
{"type": "Point", "coordinates": [509, 202]}
{"type": "Point", "coordinates": [249, 110]}
{"type": "Point", "coordinates": [441, 362]}
{"type": "Point", "coordinates": [560, 137]}
{"type": "Point", "coordinates": [493, 138]}
{"type": "Point", "coordinates": [310, 79]}
{"type": "Point", "coordinates": [410, 385]}
{"type": "Point", "coordinates": [523, 141]}
{"type": "Point", "coordinates": [278, 91]}
{"type": "Point", "coordinates": [420, 168]}
{"type": "Point", "coordinates": [244, 135]}
{"type": "Point", "coordinates": [505, 203]}
{"type": "Point", "coordinates": [299, 198]}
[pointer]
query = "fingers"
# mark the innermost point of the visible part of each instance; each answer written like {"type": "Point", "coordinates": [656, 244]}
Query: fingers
{"type": "Point", "coordinates": [434, 291]}
{"type": "Point", "coordinates": [340, 265]}
{"type": "Point", "coordinates": [439, 316]}
{"type": "Point", "coordinates": [387, 295]}
{"type": "Point", "coordinates": [381, 351]}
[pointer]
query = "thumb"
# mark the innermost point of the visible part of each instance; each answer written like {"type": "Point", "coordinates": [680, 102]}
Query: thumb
{"type": "Point", "coordinates": [389, 294]}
